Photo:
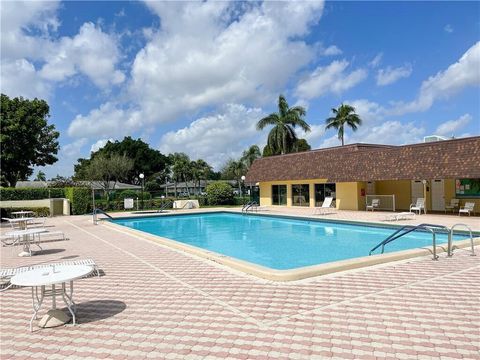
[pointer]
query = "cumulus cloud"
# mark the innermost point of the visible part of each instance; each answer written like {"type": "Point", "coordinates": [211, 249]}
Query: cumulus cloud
{"type": "Point", "coordinates": [210, 53]}
{"type": "Point", "coordinates": [331, 51]}
{"type": "Point", "coordinates": [216, 138]}
{"type": "Point", "coordinates": [448, 28]}
{"type": "Point", "coordinates": [451, 126]}
{"type": "Point", "coordinates": [30, 49]}
{"type": "Point", "coordinates": [91, 52]}
{"type": "Point", "coordinates": [332, 78]}
{"type": "Point", "coordinates": [458, 76]}
{"type": "Point", "coordinates": [390, 75]}
{"type": "Point", "coordinates": [99, 144]}
{"type": "Point", "coordinates": [105, 121]}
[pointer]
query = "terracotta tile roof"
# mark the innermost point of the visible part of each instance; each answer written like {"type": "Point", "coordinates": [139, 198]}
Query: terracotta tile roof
{"type": "Point", "coordinates": [457, 158]}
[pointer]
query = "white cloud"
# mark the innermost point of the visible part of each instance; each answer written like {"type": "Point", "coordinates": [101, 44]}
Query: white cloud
{"type": "Point", "coordinates": [464, 73]}
{"type": "Point", "coordinates": [107, 120]}
{"type": "Point", "coordinates": [331, 51]}
{"type": "Point", "coordinates": [388, 132]}
{"type": "Point", "coordinates": [332, 78]}
{"type": "Point", "coordinates": [73, 149]}
{"type": "Point", "coordinates": [376, 61]}
{"type": "Point", "coordinates": [29, 42]}
{"type": "Point", "coordinates": [99, 144]}
{"type": "Point", "coordinates": [390, 75]}
{"type": "Point", "coordinates": [218, 137]}
{"type": "Point", "coordinates": [451, 126]}
{"type": "Point", "coordinates": [91, 52]}
{"type": "Point", "coordinates": [207, 54]}
{"type": "Point", "coordinates": [448, 28]}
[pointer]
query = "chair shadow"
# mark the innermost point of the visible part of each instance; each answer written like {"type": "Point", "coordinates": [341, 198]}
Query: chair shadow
{"type": "Point", "coordinates": [69, 257]}
{"type": "Point", "coordinates": [48, 251]}
{"type": "Point", "coordinates": [96, 310]}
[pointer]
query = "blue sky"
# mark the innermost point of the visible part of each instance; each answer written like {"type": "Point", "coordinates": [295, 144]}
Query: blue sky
{"type": "Point", "coordinates": [196, 77]}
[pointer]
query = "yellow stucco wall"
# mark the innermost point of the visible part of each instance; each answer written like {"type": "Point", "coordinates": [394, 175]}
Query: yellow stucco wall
{"type": "Point", "coordinates": [402, 190]}
{"type": "Point", "coordinates": [347, 196]}
{"type": "Point", "coordinates": [450, 194]}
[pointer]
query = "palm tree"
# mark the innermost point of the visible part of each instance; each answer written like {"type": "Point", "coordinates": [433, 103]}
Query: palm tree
{"type": "Point", "coordinates": [234, 169]}
{"type": "Point", "coordinates": [180, 164]}
{"type": "Point", "coordinates": [250, 155]}
{"type": "Point", "coordinates": [344, 115]}
{"type": "Point", "coordinates": [282, 136]}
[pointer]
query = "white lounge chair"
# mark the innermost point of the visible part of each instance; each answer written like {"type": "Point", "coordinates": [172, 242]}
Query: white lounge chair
{"type": "Point", "coordinates": [400, 216]}
{"type": "Point", "coordinates": [326, 206]}
{"type": "Point", "coordinates": [374, 205]}
{"type": "Point", "coordinates": [454, 204]}
{"type": "Point", "coordinates": [418, 206]}
{"type": "Point", "coordinates": [467, 209]}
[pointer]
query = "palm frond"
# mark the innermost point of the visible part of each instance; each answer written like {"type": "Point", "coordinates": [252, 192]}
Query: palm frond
{"type": "Point", "coordinates": [272, 119]}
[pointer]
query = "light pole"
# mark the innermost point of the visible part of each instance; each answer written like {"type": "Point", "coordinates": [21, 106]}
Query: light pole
{"type": "Point", "coordinates": [142, 176]}
{"type": "Point", "coordinates": [241, 187]}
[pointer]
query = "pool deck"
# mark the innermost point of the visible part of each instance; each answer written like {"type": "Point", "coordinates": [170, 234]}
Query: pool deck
{"type": "Point", "coordinates": [155, 302]}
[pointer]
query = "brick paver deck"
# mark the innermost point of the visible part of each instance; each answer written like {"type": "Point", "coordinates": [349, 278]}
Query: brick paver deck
{"type": "Point", "coordinates": [154, 302]}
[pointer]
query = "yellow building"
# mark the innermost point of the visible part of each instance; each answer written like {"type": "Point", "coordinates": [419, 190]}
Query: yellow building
{"type": "Point", "coordinates": [354, 174]}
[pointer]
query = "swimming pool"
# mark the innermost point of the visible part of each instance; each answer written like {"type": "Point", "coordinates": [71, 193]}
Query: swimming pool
{"type": "Point", "coordinates": [276, 242]}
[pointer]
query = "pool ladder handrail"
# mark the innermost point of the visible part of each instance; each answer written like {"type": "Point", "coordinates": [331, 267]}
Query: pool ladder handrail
{"type": "Point", "coordinates": [450, 249]}
{"type": "Point", "coordinates": [410, 228]}
{"type": "Point", "coordinates": [96, 211]}
{"type": "Point", "coordinates": [250, 205]}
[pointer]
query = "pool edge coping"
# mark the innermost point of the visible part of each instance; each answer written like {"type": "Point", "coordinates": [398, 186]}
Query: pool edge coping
{"type": "Point", "coordinates": [292, 274]}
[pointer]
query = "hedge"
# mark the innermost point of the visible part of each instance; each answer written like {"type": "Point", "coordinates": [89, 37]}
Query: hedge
{"type": "Point", "coordinates": [38, 211]}
{"type": "Point", "coordinates": [80, 200]}
{"type": "Point", "coordinates": [219, 193]}
{"type": "Point", "coordinates": [7, 194]}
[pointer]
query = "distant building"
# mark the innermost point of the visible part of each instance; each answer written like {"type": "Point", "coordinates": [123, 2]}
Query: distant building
{"type": "Point", "coordinates": [97, 185]}
{"type": "Point", "coordinates": [189, 188]}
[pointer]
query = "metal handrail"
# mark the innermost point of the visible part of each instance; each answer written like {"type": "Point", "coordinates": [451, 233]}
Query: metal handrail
{"type": "Point", "coordinates": [410, 228]}
{"type": "Point", "coordinates": [96, 211]}
{"type": "Point", "coordinates": [164, 206]}
{"type": "Point", "coordinates": [450, 252]}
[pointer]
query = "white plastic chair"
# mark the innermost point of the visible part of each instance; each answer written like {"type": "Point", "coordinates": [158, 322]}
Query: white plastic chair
{"type": "Point", "coordinates": [454, 203]}
{"type": "Point", "coordinates": [418, 206]}
{"type": "Point", "coordinates": [375, 203]}
{"type": "Point", "coordinates": [327, 204]}
{"type": "Point", "coordinates": [467, 209]}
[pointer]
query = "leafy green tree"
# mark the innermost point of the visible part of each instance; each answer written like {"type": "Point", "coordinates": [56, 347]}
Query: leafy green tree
{"type": "Point", "coordinates": [250, 155]}
{"type": "Point", "coordinates": [146, 160]}
{"type": "Point", "coordinates": [343, 116]}
{"type": "Point", "coordinates": [302, 145]}
{"type": "Point", "coordinates": [200, 170]}
{"type": "Point", "coordinates": [40, 176]}
{"type": "Point", "coordinates": [26, 138]}
{"type": "Point", "coordinates": [282, 136]}
{"type": "Point", "coordinates": [107, 170]}
{"type": "Point", "coordinates": [234, 169]}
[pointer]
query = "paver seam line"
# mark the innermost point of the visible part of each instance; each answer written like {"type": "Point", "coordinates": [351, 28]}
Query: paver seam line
{"type": "Point", "coordinates": [172, 277]}
{"type": "Point", "coordinates": [351, 300]}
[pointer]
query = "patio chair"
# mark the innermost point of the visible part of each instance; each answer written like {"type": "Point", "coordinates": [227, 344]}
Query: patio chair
{"type": "Point", "coordinates": [454, 204]}
{"type": "Point", "coordinates": [418, 206]}
{"type": "Point", "coordinates": [467, 209]}
{"type": "Point", "coordinates": [327, 205]}
{"type": "Point", "coordinates": [374, 205]}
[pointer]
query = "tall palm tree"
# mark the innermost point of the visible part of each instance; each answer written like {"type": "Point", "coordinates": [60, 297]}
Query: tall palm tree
{"type": "Point", "coordinates": [235, 169]}
{"type": "Point", "coordinates": [282, 136]}
{"type": "Point", "coordinates": [250, 155]}
{"type": "Point", "coordinates": [344, 115]}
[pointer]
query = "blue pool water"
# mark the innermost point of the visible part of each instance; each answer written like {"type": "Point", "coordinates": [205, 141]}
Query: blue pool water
{"type": "Point", "coordinates": [277, 242]}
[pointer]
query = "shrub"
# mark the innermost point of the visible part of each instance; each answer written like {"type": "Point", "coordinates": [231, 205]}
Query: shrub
{"type": "Point", "coordinates": [38, 211]}
{"type": "Point", "coordinates": [30, 193]}
{"type": "Point", "coordinates": [125, 194]}
{"type": "Point", "coordinates": [80, 200]}
{"type": "Point", "coordinates": [219, 193]}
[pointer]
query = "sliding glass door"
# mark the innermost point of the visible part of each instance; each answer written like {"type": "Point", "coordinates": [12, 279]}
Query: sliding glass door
{"type": "Point", "coordinates": [322, 191]}
{"type": "Point", "coordinates": [301, 195]}
{"type": "Point", "coordinates": [279, 194]}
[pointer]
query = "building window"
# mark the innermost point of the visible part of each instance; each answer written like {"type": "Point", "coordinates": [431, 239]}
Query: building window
{"type": "Point", "coordinates": [279, 194]}
{"type": "Point", "coordinates": [301, 195]}
{"type": "Point", "coordinates": [322, 191]}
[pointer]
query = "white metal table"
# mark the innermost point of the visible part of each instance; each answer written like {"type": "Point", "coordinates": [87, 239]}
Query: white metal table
{"type": "Point", "coordinates": [38, 279]}
{"type": "Point", "coordinates": [22, 222]}
{"type": "Point", "coordinates": [22, 213]}
{"type": "Point", "coordinates": [26, 235]}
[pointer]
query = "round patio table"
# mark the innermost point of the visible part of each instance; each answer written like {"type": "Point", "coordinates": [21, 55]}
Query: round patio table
{"type": "Point", "coordinates": [39, 278]}
{"type": "Point", "coordinates": [26, 235]}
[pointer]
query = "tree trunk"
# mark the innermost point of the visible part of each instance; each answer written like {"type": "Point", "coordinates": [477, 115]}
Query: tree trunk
{"type": "Point", "coordinates": [284, 150]}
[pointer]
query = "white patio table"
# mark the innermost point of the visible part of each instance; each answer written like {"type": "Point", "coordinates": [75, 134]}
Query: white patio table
{"type": "Point", "coordinates": [22, 213]}
{"type": "Point", "coordinates": [52, 275]}
{"type": "Point", "coordinates": [22, 222]}
{"type": "Point", "coordinates": [26, 235]}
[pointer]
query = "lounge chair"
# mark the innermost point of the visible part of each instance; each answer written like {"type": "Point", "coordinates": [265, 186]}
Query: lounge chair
{"type": "Point", "coordinates": [467, 209]}
{"type": "Point", "coordinates": [454, 204]}
{"type": "Point", "coordinates": [400, 216]}
{"type": "Point", "coordinates": [327, 205]}
{"type": "Point", "coordinates": [374, 205]}
{"type": "Point", "coordinates": [418, 206]}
